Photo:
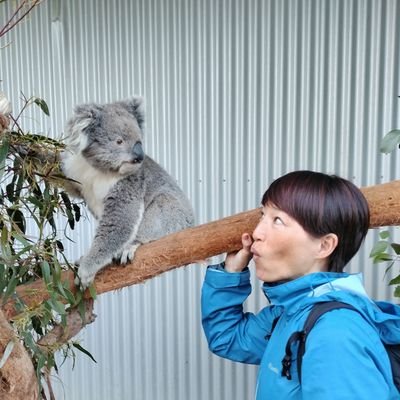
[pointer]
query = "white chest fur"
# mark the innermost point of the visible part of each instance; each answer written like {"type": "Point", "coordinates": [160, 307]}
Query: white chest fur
{"type": "Point", "coordinates": [95, 184]}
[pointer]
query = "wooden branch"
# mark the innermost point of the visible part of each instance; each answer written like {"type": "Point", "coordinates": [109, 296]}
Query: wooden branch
{"type": "Point", "coordinates": [74, 323]}
{"type": "Point", "coordinates": [199, 243]}
{"type": "Point", "coordinates": [17, 374]}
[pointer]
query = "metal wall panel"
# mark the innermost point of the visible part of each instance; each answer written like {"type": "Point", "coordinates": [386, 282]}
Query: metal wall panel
{"type": "Point", "coordinates": [238, 92]}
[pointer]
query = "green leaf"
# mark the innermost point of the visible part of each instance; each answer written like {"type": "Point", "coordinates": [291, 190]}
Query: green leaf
{"type": "Point", "coordinates": [3, 277]}
{"type": "Point", "coordinates": [66, 200]}
{"type": "Point", "coordinates": [395, 281]}
{"type": "Point", "coordinates": [12, 284]}
{"type": "Point", "coordinates": [10, 191]}
{"type": "Point", "coordinates": [390, 141]}
{"type": "Point", "coordinates": [43, 105]}
{"type": "Point", "coordinates": [92, 291]}
{"type": "Point", "coordinates": [71, 219]}
{"type": "Point", "coordinates": [68, 295]}
{"type": "Point", "coordinates": [80, 348]}
{"type": "Point", "coordinates": [46, 272]}
{"type": "Point", "coordinates": [7, 352]}
{"type": "Point", "coordinates": [395, 247]}
{"type": "Point", "coordinates": [77, 212]}
{"type": "Point", "coordinates": [379, 247]}
{"type": "Point", "coordinates": [4, 146]}
{"type": "Point", "coordinates": [384, 234]}
{"type": "Point", "coordinates": [397, 291]}
{"type": "Point", "coordinates": [24, 241]}
{"type": "Point", "coordinates": [5, 245]}
{"type": "Point", "coordinates": [57, 306]}
{"type": "Point", "coordinates": [381, 257]}
{"type": "Point", "coordinates": [35, 202]}
{"type": "Point", "coordinates": [17, 218]}
{"type": "Point", "coordinates": [40, 364]}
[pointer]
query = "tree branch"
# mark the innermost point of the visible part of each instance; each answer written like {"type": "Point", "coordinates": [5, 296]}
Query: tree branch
{"type": "Point", "coordinates": [198, 243]}
{"type": "Point", "coordinates": [61, 334]}
{"type": "Point", "coordinates": [10, 24]}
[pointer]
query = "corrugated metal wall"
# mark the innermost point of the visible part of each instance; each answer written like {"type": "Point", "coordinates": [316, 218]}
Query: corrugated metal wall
{"type": "Point", "coordinates": [238, 92]}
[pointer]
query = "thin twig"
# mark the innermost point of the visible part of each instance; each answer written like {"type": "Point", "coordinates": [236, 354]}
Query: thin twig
{"type": "Point", "coordinates": [10, 25]}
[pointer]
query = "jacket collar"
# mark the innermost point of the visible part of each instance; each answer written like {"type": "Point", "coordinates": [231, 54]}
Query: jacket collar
{"type": "Point", "coordinates": [288, 294]}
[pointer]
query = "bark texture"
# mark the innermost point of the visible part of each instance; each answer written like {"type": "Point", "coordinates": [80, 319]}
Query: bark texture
{"type": "Point", "coordinates": [17, 376]}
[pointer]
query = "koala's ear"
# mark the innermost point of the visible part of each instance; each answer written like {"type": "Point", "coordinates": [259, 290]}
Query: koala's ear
{"type": "Point", "coordinates": [84, 116]}
{"type": "Point", "coordinates": [87, 111]}
{"type": "Point", "coordinates": [135, 107]}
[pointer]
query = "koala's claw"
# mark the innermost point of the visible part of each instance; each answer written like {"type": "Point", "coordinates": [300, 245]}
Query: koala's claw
{"type": "Point", "coordinates": [128, 253]}
{"type": "Point", "coordinates": [85, 277]}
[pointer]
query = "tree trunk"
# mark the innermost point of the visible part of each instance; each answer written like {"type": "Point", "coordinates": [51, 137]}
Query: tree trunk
{"type": "Point", "coordinates": [199, 243]}
{"type": "Point", "coordinates": [17, 376]}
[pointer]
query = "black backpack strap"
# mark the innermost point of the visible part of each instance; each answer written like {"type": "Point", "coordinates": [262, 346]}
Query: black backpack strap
{"type": "Point", "coordinates": [287, 360]}
{"type": "Point", "coordinates": [301, 336]}
{"type": "Point", "coordinates": [393, 351]}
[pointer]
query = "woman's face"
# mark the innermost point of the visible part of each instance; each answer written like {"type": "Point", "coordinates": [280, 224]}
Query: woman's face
{"type": "Point", "coordinates": [282, 249]}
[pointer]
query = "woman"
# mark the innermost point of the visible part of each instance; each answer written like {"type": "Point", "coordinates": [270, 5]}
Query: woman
{"type": "Point", "coordinates": [312, 224]}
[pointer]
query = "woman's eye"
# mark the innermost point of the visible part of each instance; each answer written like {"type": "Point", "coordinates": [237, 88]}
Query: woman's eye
{"type": "Point", "coordinates": [278, 221]}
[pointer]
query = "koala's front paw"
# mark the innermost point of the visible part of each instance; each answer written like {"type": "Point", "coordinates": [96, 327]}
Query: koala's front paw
{"type": "Point", "coordinates": [86, 273]}
{"type": "Point", "coordinates": [128, 253]}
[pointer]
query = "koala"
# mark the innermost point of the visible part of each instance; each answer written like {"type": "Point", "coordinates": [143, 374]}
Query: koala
{"type": "Point", "coordinates": [132, 197]}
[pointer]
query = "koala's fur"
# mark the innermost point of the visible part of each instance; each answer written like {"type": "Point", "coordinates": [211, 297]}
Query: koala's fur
{"type": "Point", "coordinates": [132, 197]}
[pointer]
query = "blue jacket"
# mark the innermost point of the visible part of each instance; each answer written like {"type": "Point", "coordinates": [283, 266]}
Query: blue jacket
{"type": "Point", "coordinates": [344, 358]}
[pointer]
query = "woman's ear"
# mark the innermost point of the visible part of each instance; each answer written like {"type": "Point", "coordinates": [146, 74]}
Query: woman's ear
{"type": "Point", "coordinates": [328, 244]}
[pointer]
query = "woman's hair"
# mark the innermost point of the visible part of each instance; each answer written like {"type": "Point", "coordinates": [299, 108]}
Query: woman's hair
{"type": "Point", "coordinates": [324, 204]}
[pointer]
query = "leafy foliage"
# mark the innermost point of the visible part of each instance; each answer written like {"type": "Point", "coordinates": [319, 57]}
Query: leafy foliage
{"type": "Point", "coordinates": [386, 250]}
{"type": "Point", "coordinates": [32, 207]}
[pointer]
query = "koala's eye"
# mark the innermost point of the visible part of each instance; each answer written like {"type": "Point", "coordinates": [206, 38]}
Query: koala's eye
{"type": "Point", "coordinates": [120, 141]}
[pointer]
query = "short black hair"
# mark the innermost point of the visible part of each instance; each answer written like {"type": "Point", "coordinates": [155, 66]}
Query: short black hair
{"type": "Point", "coordinates": [324, 204]}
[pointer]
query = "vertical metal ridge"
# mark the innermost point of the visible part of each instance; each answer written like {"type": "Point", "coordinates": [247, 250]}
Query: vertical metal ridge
{"type": "Point", "coordinates": [237, 93]}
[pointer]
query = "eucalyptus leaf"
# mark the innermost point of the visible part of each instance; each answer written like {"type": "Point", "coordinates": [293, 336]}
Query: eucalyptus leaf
{"type": "Point", "coordinates": [395, 247]}
{"type": "Point", "coordinates": [7, 351]}
{"type": "Point", "coordinates": [77, 211]}
{"type": "Point", "coordinates": [4, 146]}
{"type": "Point", "coordinates": [12, 284]}
{"type": "Point", "coordinates": [57, 306]}
{"type": "Point", "coordinates": [390, 141]}
{"type": "Point", "coordinates": [382, 257]}
{"type": "Point", "coordinates": [80, 348]}
{"type": "Point", "coordinates": [395, 281]}
{"type": "Point", "coordinates": [92, 291]}
{"type": "Point", "coordinates": [379, 247]}
{"type": "Point", "coordinates": [43, 105]}
{"type": "Point", "coordinates": [46, 274]}
{"type": "Point", "coordinates": [384, 235]}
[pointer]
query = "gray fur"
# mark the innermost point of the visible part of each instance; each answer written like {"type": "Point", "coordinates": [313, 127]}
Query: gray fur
{"type": "Point", "coordinates": [133, 198]}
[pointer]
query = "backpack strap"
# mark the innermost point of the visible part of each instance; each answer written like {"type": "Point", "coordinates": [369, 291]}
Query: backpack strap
{"type": "Point", "coordinates": [301, 336]}
{"type": "Point", "coordinates": [393, 351]}
{"type": "Point", "coordinates": [274, 323]}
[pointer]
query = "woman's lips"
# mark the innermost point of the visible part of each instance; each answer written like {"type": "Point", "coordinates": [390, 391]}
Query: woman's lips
{"type": "Point", "coordinates": [255, 254]}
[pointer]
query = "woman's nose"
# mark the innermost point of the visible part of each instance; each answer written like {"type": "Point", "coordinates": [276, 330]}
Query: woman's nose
{"type": "Point", "coordinates": [257, 233]}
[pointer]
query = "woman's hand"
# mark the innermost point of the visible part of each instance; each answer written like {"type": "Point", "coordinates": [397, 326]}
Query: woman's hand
{"type": "Point", "coordinates": [238, 260]}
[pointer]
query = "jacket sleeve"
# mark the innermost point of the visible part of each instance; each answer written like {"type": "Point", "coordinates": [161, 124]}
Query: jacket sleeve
{"type": "Point", "coordinates": [230, 332]}
{"type": "Point", "coordinates": [345, 359]}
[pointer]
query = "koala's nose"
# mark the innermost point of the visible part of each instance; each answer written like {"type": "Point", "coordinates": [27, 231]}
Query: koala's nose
{"type": "Point", "coordinates": [137, 152]}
